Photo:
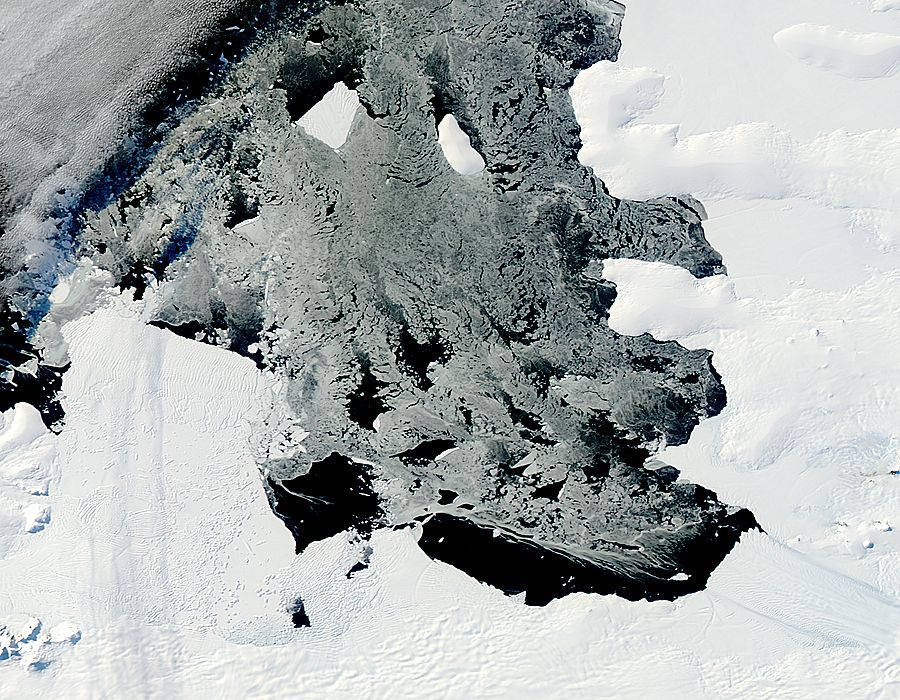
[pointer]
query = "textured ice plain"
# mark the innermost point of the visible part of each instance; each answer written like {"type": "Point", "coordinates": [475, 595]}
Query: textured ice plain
{"type": "Point", "coordinates": [330, 119]}
{"type": "Point", "coordinates": [443, 338]}
{"type": "Point", "coordinates": [135, 538]}
{"type": "Point", "coordinates": [769, 625]}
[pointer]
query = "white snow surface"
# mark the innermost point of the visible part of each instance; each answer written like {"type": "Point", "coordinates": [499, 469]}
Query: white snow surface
{"type": "Point", "coordinates": [850, 54]}
{"type": "Point", "coordinates": [164, 563]}
{"type": "Point", "coordinates": [28, 467]}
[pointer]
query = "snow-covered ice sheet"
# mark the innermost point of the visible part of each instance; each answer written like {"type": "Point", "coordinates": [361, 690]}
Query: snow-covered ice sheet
{"type": "Point", "coordinates": [28, 467]}
{"type": "Point", "coordinates": [851, 54]}
{"type": "Point", "coordinates": [804, 328]}
{"type": "Point", "coordinates": [803, 197]}
{"type": "Point", "coordinates": [162, 553]}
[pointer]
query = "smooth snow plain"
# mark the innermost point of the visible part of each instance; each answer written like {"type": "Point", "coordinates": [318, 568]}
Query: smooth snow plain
{"type": "Point", "coordinates": [165, 574]}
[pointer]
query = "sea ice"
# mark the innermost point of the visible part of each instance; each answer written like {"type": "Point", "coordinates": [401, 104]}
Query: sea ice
{"type": "Point", "coordinates": [807, 226]}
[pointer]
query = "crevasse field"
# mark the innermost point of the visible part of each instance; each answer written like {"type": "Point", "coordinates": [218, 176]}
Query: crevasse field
{"type": "Point", "coordinates": [140, 558]}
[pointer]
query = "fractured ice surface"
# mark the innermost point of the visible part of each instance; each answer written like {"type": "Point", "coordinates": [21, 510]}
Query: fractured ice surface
{"type": "Point", "coordinates": [437, 333]}
{"type": "Point", "coordinates": [34, 646]}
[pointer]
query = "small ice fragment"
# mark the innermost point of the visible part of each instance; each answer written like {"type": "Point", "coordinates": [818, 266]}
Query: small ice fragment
{"type": "Point", "coordinates": [458, 148]}
{"type": "Point", "coordinates": [60, 293]}
{"type": "Point", "coordinates": [330, 119]}
{"type": "Point", "coordinates": [444, 454]}
{"type": "Point", "coordinates": [65, 633]}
